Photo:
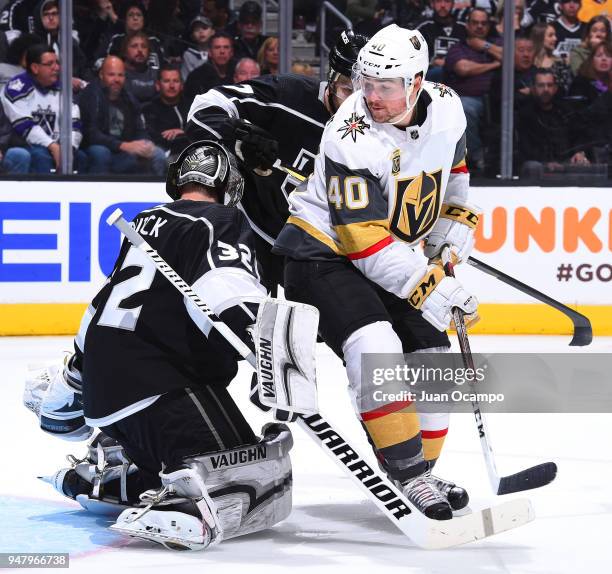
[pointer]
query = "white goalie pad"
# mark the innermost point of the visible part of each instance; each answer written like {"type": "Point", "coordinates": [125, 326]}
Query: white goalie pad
{"type": "Point", "coordinates": [285, 337]}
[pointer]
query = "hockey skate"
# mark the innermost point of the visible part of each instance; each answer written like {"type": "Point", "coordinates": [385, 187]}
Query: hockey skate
{"type": "Point", "coordinates": [423, 492]}
{"type": "Point", "coordinates": [175, 522]}
{"type": "Point", "coordinates": [456, 496]}
{"type": "Point", "coordinates": [86, 478]}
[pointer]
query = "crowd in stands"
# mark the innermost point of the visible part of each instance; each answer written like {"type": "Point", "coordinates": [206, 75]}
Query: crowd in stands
{"type": "Point", "coordinates": [137, 65]}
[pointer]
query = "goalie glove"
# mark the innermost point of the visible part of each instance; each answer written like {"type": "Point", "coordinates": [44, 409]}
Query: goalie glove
{"type": "Point", "coordinates": [56, 404]}
{"type": "Point", "coordinates": [455, 227]}
{"type": "Point", "coordinates": [278, 414]}
{"type": "Point", "coordinates": [435, 295]}
{"type": "Point", "coordinates": [255, 147]}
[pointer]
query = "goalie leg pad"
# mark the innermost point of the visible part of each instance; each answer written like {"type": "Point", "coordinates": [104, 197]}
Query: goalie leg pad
{"type": "Point", "coordinates": [217, 496]}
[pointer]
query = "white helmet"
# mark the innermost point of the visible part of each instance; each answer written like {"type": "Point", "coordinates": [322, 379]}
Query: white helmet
{"type": "Point", "coordinates": [393, 52]}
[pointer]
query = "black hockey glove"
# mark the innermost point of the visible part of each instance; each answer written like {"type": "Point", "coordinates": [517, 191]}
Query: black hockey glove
{"type": "Point", "coordinates": [255, 147]}
{"type": "Point", "coordinates": [278, 414]}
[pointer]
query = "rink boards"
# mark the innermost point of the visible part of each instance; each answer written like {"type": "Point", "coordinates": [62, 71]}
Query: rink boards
{"type": "Point", "coordinates": [56, 250]}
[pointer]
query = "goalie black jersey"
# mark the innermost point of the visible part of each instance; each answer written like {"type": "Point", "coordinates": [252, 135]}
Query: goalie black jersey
{"type": "Point", "coordinates": [291, 108]}
{"type": "Point", "coordinates": [139, 338]}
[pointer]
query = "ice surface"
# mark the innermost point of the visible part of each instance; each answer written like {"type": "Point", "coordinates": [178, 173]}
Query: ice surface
{"type": "Point", "coordinates": [332, 527]}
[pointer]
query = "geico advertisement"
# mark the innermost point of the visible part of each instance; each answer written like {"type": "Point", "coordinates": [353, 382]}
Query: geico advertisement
{"type": "Point", "coordinates": [558, 240]}
{"type": "Point", "coordinates": [55, 245]}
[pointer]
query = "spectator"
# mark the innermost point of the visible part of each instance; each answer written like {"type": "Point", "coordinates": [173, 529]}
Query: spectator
{"type": "Point", "coordinates": [464, 7]}
{"type": "Point", "coordinates": [47, 27]}
{"type": "Point", "coordinates": [246, 69]}
{"type": "Point", "coordinates": [114, 127]}
{"type": "Point", "coordinates": [13, 158]}
{"type": "Point", "coordinates": [16, 57]}
{"type": "Point", "coordinates": [217, 71]}
{"type": "Point", "coordinates": [440, 33]}
{"type": "Point", "coordinates": [200, 32]}
{"type": "Point", "coordinates": [303, 68]}
{"type": "Point", "coordinates": [220, 14]}
{"type": "Point", "coordinates": [596, 123]}
{"type": "Point", "coordinates": [96, 21]}
{"type": "Point", "coordinates": [163, 22]}
{"type": "Point", "coordinates": [518, 17]}
{"type": "Point", "coordinates": [267, 57]}
{"type": "Point", "coordinates": [469, 66]}
{"type": "Point", "coordinates": [250, 39]}
{"type": "Point", "coordinates": [134, 21]}
{"type": "Point", "coordinates": [569, 29]}
{"type": "Point", "coordinates": [541, 12]}
{"type": "Point", "coordinates": [140, 77]}
{"type": "Point", "coordinates": [524, 69]}
{"type": "Point", "coordinates": [31, 102]}
{"type": "Point", "coordinates": [596, 32]}
{"type": "Point", "coordinates": [166, 115]}
{"type": "Point", "coordinates": [544, 41]}
{"type": "Point", "coordinates": [18, 17]}
{"type": "Point", "coordinates": [545, 132]}
{"type": "Point", "coordinates": [595, 75]}
{"type": "Point", "coordinates": [411, 12]}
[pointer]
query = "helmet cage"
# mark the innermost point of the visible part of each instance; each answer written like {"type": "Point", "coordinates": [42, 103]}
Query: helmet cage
{"type": "Point", "coordinates": [207, 163]}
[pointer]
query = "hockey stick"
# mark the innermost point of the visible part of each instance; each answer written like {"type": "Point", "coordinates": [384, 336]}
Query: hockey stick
{"type": "Point", "coordinates": [377, 487]}
{"type": "Point", "coordinates": [527, 479]}
{"type": "Point", "coordinates": [583, 333]}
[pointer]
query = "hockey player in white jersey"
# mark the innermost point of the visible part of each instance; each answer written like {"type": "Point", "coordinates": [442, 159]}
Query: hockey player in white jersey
{"type": "Point", "coordinates": [390, 172]}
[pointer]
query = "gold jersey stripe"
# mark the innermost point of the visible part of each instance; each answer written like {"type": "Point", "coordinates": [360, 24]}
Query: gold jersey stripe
{"type": "Point", "coordinates": [357, 237]}
{"type": "Point", "coordinates": [316, 233]}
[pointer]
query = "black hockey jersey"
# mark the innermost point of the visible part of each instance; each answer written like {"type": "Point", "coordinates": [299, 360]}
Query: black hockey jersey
{"type": "Point", "coordinates": [139, 337]}
{"type": "Point", "coordinates": [291, 108]}
{"type": "Point", "coordinates": [440, 37]}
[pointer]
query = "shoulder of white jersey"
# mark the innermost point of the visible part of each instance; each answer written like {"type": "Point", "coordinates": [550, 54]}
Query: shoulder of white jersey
{"type": "Point", "coordinates": [351, 134]}
{"type": "Point", "coordinates": [19, 87]}
{"type": "Point", "coordinates": [447, 109]}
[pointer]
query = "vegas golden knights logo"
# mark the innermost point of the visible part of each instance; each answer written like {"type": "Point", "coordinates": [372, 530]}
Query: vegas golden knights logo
{"type": "Point", "coordinates": [417, 203]}
{"type": "Point", "coordinates": [395, 161]}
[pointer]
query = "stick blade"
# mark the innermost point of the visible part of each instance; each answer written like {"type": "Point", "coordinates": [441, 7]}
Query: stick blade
{"type": "Point", "coordinates": [477, 525]}
{"type": "Point", "coordinates": [527, 479]}
{"type": "Point", "coordinates": [583, 335]}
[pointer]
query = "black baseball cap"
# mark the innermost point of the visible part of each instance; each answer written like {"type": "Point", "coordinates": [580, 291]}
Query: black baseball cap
{"type": "Point", "coordinates": [249, 11]}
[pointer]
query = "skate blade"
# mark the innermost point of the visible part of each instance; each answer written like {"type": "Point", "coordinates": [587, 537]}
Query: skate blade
{"type": "Point", "coordinates": [168, 542]}
{"type": "Point", "coordinates": [477, 525]}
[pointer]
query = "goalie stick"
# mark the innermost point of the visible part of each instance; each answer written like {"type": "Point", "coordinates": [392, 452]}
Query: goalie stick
{"type": "Point", "coordinates": [533, 477]}
{"type": "Point", "coordinates": [583, 332]}
{"type": "Point", "coordinates": [424, 532]}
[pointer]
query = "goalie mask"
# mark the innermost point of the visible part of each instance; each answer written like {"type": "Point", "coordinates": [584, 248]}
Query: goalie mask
{"type": "Point", "coordinates": [209, 164]}
{"type": "Point", "coordinates": [388, 65]}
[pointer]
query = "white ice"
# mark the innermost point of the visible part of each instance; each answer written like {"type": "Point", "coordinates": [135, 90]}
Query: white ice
{"type": "Point", "coordinates": [332, 527]}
